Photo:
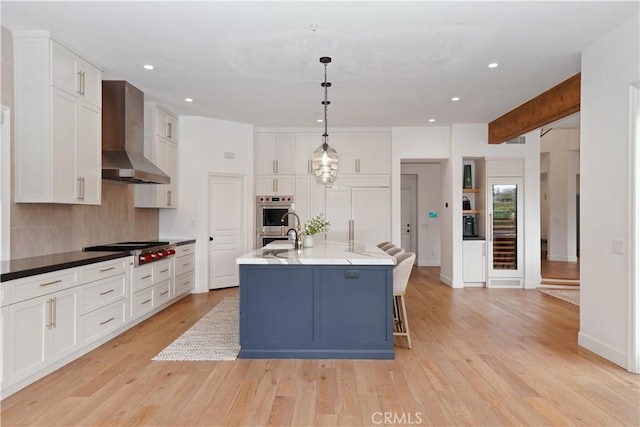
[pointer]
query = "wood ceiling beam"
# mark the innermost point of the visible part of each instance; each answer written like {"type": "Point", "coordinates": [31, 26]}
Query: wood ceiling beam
{"type": "Point", "coordinates": [558, 102]}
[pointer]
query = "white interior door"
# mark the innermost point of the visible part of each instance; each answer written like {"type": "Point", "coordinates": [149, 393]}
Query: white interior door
{"type": "Point", "coordinates": [406, 227]}
{"type": "Point", "coordinates": [226, 234]}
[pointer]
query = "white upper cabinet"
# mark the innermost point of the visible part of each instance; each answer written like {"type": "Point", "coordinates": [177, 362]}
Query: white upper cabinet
{"type": "Point", "coordinates": [306, 144]}
{"type": "Point", "coordinates": [160, 146]}
{"type": "Point", "coordinates": [275, 153]}
{"type": "Point", "coordinates": [58, 138]}
{"type": "Point", "coordinates": [362, 152]}
{"type": "Point", "coordinates": [166, 124]}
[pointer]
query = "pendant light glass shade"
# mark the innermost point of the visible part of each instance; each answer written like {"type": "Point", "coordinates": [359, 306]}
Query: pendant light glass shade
{"type": "Point", "coordinates": [325, 164]}
{"type": "Point", "coordinates": [324, 160]}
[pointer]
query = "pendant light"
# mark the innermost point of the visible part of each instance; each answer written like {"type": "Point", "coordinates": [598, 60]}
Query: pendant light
{"type": "Point", "coordinates": [325, 159]}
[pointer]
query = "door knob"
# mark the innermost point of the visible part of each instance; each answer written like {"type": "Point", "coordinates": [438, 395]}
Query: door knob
{"type": "Point", "coordinates": [210, 239]}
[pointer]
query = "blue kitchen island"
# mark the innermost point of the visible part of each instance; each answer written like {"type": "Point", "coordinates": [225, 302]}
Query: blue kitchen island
{"type": "Point", "coordinates": [332, 301]}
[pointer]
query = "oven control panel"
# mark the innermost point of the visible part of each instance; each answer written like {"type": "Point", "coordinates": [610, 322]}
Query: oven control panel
{"type": "Point", "coordinates": [275, 199]}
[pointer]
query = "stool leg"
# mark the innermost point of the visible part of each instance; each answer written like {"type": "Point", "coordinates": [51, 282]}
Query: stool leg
{"type": "Point", "coordinates": [405, 322]}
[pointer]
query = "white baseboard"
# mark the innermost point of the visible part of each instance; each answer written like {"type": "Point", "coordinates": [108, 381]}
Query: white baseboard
{"type": "Point", "coordinates": [603, 350]}
{"type": "Point", "coordinates": [446, 280]}
{"type": "Point", "coordinates": [532, 284]}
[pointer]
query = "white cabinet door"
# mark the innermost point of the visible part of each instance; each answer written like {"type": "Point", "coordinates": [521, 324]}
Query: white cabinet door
{"type": "Point", "coordinates": [346, 144]}
{"type": "Point", "coordinates": [338, 213]}
{"type": "Point", "coordinates": [371, 214]}
{"type": "Point", "coordinates": [172, 171]}
{"type": "Point", "coordinates": [473, 261]}
{"type": "Point", "coordinates": [40, 331]}
{"type": "Point", "coordinates": [275, 153]}
{"type": "Point", "coordinates": [273, 185]}
{"type": "Point", "coordinates": [304, 150]}
{"type": "Point", "coordinates": [89, 154]}
{"type": "Point", "coordinates": [66, 183]}
{"type": "Point", "coordinates": [265, 149]}
{"type": "Point", "coordinates": [368, 207]}
{"type": "Point", "coordinates": [374, 152]}
{"type": "Point", "coordinates": [309, 197]}
{"type": "Point", "coordinates": [63, 334]}
{"type": "Point", "coordinates": [58, 121]}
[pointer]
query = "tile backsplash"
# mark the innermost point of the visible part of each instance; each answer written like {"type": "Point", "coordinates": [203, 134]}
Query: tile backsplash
{"type": "Point", "coordinates": [46, 228]}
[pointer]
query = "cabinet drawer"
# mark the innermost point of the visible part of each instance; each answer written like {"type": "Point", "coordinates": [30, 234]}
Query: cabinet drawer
{"type": "Point", "coordinates": [142, 302]}
{"type": "Point", "coordinates": [100, 322]}
{"type": "Point", "coordinates": [31, 287]}
{"type": "Point", "coordinates": [161, 271]}
{"type": "Point", "coordinates": [104, 269]}
{"type": "Point", "coordinates": [102, 292]}
{"type": "Point", "coordinates": [184, 264]}
{"type": "Point", "coordinates": [161, 293]}
{"type": "Point", "coordinates": [142, 277]}
{"type": "Point", "coordinates": [185, 250]}
{"type": "Point", "coordinates": [184, 283]}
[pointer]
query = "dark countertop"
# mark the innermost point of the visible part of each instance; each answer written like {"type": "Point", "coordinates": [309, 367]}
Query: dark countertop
{"type": "Point", "coordinates": [25, 267]}
{"type": "Point", "coordinates": [474, 238]}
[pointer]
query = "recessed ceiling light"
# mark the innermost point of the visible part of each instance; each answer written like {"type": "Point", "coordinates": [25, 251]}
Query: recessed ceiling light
{"type": "Point", "coordinates": [455, 98]}
{"type": "Point", "coordinates": [432, 120]}
{"type": "Point", "coordinates": [319, 120]}
{"type": "Point", "coordinates": [188, 100]}
{"type": "Point", "coordinates": [493, 65]}
{"type": "Point", "coordinates": [148, 67]}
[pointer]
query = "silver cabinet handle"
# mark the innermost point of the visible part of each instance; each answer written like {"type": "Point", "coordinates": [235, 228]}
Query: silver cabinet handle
{"type": "Point", "coordinates": [276, 184]}
{"type": "Point", "coordinates": [164, 271]}
{"type": "Point", "coordinates": [50, 308]}
{"type": "Point", "coordinates": [186, 283]}
{"type": "Point", "coordinates": [79, 90]}
{"type": "Point", "coordinates": [277, 166]}
{"type": "Point", "coordinates": [146, 302]}
{"type": "Point", "coordinates": [79, 189]}
{"type": "Point", "coordinates": [184, 265]}
{"type": "Point", "coordinates": [186, 249]}
{"type": "Point", "coordinates": [164, 293]}
{"type": "Point", "coordinates": [54, 315]}
{"type": "Point", "coordinates": [145, 277]}
{"type": "Point", "coordinates": [169, 130]}
{"type": "Point", "coordinates": [168, 197]}
{"type": "Point", "coordinates": [107, 269]}
{"type": "Point", "coordinates": [50, 283]}
{"type": "Point", "coordinates": [83, 83]}
{"type": "Point", "coordinates": [108, 320]}
{"type": "Point", "coordinates": [309, 166]}
{"type": "Point", "coordinates": [107, 292]}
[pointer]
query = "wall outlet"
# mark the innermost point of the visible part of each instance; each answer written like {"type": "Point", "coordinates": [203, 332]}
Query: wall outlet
{"type": "Point", "coordinates": [617, 247]}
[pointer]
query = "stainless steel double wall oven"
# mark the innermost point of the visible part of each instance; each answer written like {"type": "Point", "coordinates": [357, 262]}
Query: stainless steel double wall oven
{"type": "Point", "coordinates": [269, 213]}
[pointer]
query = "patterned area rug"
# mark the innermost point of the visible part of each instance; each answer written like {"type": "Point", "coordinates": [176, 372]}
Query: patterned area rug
{"type": "Point", "coordinates": [572, 296]}
{"type": "Point", "coordinates": [214, 337]}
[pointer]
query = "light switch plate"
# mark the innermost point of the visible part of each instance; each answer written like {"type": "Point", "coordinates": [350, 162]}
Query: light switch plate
{"type": "Point", "coordinates": [617, 247]}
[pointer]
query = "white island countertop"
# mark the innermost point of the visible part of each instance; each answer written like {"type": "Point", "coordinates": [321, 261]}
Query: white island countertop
{"type": "Point", "coordinates": [322, 253]}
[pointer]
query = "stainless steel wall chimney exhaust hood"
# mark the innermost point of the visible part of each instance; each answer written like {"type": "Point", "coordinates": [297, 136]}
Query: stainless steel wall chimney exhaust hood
{"type": "Point", "coordinates": [123, 136]}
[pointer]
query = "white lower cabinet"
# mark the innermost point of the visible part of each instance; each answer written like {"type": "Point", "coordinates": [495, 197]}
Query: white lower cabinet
{"type": "Point", "coordinates": [184, 269]}
{"type": "Point", "coordinates": [38, 332]}
{"type": "Point", "coordinates": [48, 320]}
{"type": "Point", "coordinates": [152, 285]}
{"type": "Point", "coordinates": [474, 263]}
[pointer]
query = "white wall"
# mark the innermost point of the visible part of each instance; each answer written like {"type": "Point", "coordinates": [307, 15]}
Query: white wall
{"type": "Point", "coordinates": [203, 142]}
{"type": "Point", "coordinates": [561, 149]}
{"type": "Point", "coordinates": [610, 66]}
{"type": "Point", "coordinates": [429, 199]}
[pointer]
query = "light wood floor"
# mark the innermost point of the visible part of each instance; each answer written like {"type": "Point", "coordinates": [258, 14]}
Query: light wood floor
{"type": "Point", "coordinates": [560, 270]}
{"type": "Point", "coordinates": [491, 357]}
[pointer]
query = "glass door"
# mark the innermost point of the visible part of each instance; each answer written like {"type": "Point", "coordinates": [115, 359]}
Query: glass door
{"type": "Point", "coordinates": [505, 230]}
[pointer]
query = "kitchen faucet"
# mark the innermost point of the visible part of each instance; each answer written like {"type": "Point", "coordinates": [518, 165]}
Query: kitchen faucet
{"type": "Point", "coordinates": [298, 234]}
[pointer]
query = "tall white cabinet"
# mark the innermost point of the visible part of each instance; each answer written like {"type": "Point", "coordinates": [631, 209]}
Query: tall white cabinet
{"type": "Point", "coordinates": [361, 192]}
{"type": "Point", "coordinates": [58, 100]}
{"type": "Point", "coordinates": [161, 147]}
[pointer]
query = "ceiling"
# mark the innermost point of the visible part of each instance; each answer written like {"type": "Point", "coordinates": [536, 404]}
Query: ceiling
{"type": "Point", "coordinates": [394, 63]}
